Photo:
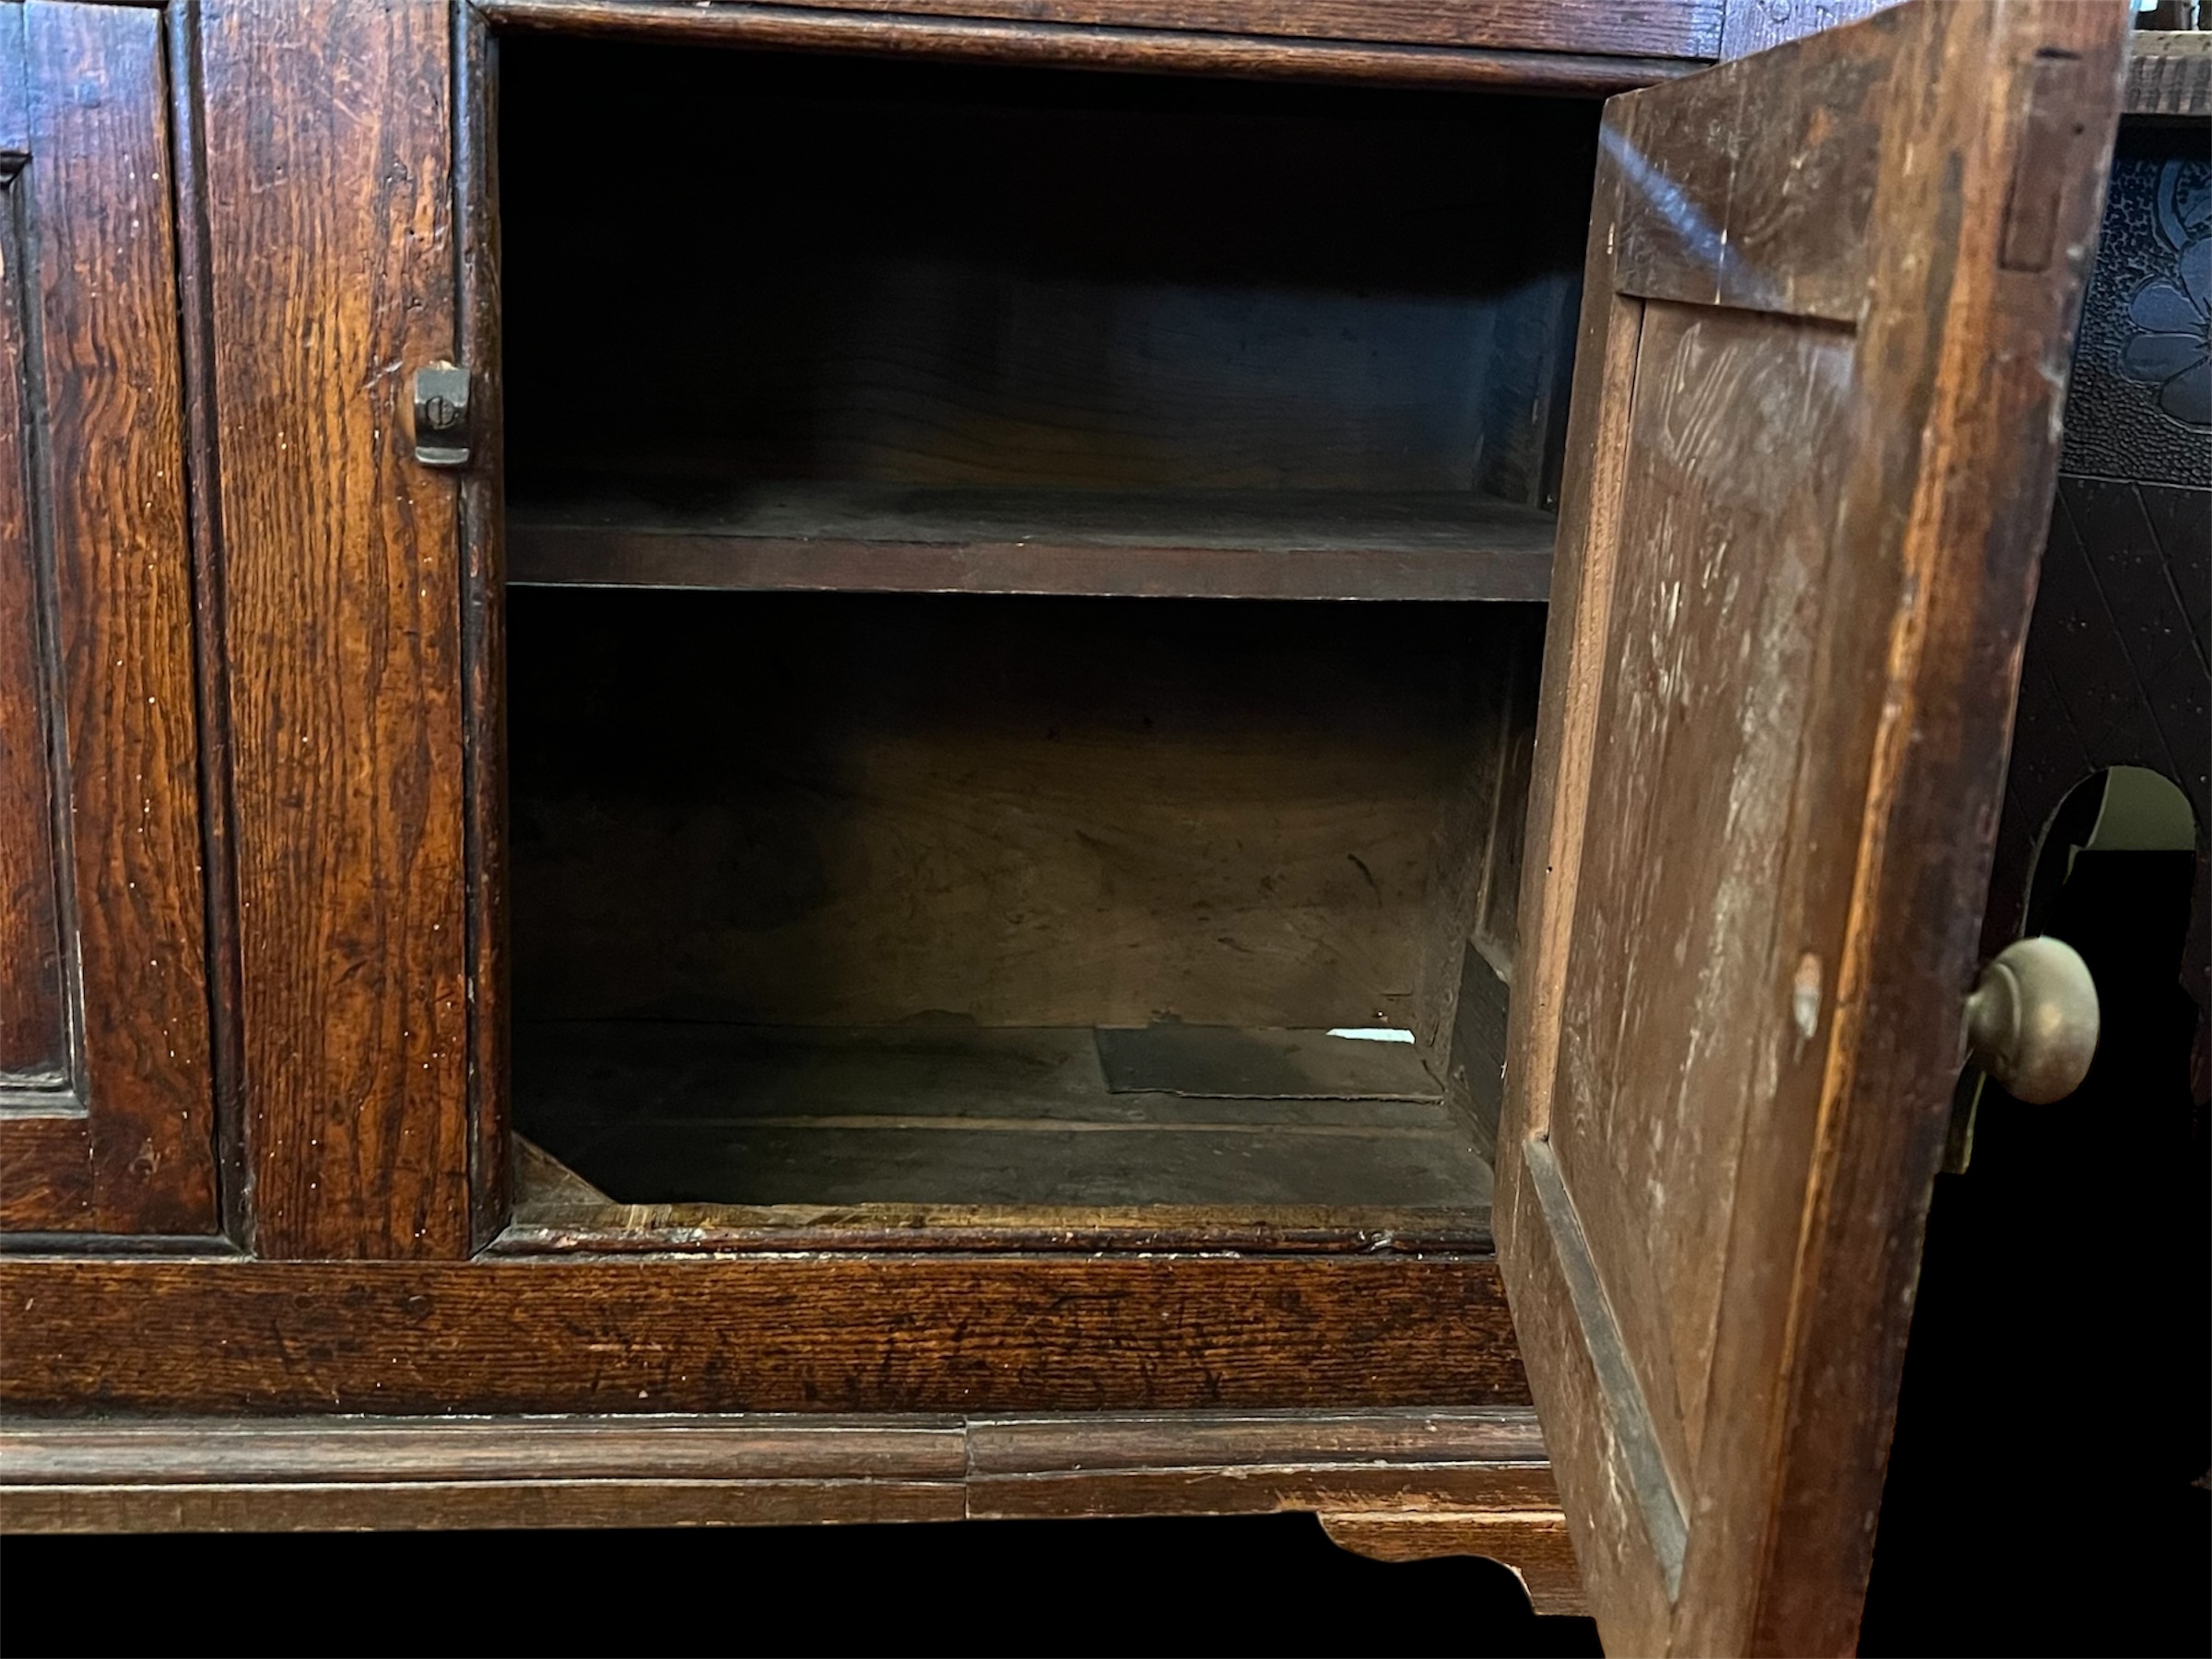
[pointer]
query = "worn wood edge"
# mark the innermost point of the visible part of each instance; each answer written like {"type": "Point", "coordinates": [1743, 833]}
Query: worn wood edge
{"type": "Point", "coordinates": [2168, 73]}
{"type": "Point", "coordinates": [1627, 1428]}
{"type": "Point", "coordinates": [110, 1451]}
{"type": "Point", "coordinates": [100, 1247]}
{"type": "Point", "coordinates": [1968, 541]}
{"type": "Point", "coordinates": [1077, 46]}
{"type": "Point", "coordinates": [1534, 1545]}
{"type": "Point", "coordinates": [1685, 29]}
{"type": "Point", "coordinates": [483, 556]}
{"type": "Point", "coordinates": [558, 1212]}
{"type": "Point", "coordinates": [566, 556]}
{"type": "Point", "coordinates": [1032, 1444]}
{"type": "Point", "coordinates": [244, 1452]}
{"type": "Point", "coordinates": [202, 495]}
{"type": "Point", "coordinates": [631, 1229]}
{"type": "Point", "coordinates": [338, 1472]}
{"type": "Point", "coordinates": [1629, 1598]}
{"type": "Point", "coordinates": [452, 1506]}
{"type": "Point", "coordinates": [1259, 1489]}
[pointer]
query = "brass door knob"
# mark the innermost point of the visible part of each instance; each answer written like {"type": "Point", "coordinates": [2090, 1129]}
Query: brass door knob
{"type": "Point", "coordinates": [2031, 1020]}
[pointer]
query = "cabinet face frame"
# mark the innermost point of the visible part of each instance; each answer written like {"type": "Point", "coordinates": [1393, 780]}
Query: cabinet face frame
{"type": "Point", "coordinates": [1777, 694]}
{"type": "Point", "coordinates": [117, 894]}
{"type": "Point", "coordinates": [971, 36]}
{"type": "Point", "coordinates": [222, 1335]}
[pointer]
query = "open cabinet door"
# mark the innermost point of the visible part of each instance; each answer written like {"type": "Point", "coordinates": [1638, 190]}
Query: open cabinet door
{"type": "Point", "coordinates": [1826, 324]}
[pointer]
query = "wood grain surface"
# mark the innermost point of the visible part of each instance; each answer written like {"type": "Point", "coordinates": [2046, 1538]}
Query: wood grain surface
{"type": "Point", "coordinates": [1580, 46]}
{"type": "Point", "coordinates": [1813, 469]}
{"type": "Point", "coordinates": [1302, 544]}
{"type": "Point", "coordinates": [1536, 1544]}
{"type": "Point", "coordinates": [556, 1211]}
{"type": "Point", "coordinates": [699, 1114]}
{"type": "Point", "coordinates": [1626, 28]}
{"type": "Point", "coordinates": [1748, 26]}
{"type": "Point", "coordinates": [46, 1173]}
{"type": "Point", "coordinates": [203, 469]}
{"type": "Point", "coordinates": [115, 597]}
{"type": "Point", "coordinates": [989, 280]}
{"type": "Point", "coordinates": [34, 1017]}
{"type": "Point", "coordinates": [333, 278]}
{"type": "Point", "coordinates": [483, 613]}
{"type": "Point", "coordinates": [806, 1333]}
{"type": "Point", "coordinates": [1471, 1480]}
{"type": "Point", "coordinates": [2169, 73]}
{"type": "Point", "coordinates": [848, 810]}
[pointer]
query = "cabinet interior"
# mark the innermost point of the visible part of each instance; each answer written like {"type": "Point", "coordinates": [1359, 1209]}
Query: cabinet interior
{"type": "Point", "coordinates": [872, 841]}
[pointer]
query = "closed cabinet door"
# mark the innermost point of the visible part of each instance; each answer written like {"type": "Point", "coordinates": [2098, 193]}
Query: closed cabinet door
{"type": "Point", "coordinates": [107, 1121]}
{"type": "Point", "coordinates": [1827, 314]}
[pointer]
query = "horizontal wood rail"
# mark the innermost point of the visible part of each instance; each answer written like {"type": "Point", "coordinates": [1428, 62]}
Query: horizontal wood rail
{"type": "Point", "coordinates": [1395, 1483]}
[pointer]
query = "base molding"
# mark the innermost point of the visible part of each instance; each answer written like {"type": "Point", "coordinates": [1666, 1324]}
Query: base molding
{"type": "Point", "coordinates": [1533, 1543]}
{"type": "Point", "coordinates": [1397, 1484]}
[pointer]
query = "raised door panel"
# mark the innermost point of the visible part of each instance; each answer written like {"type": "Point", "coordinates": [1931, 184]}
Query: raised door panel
{"type": "Point", "coordinates": [1828, 304]}
{"type": "Point", "coordinates": [106, 1093]}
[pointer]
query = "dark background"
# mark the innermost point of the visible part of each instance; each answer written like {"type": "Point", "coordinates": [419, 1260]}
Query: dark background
{"type": "Point", "coordinates": [1264, 1585]}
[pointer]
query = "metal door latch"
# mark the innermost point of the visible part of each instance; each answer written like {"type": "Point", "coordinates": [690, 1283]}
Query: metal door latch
{"type": "Point", "coordinates": [441, 415]}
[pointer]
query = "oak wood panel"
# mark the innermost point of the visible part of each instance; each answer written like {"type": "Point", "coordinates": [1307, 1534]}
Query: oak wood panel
{"type": "Point", "coordinates": [845, 809]}
{"type": "Point", "coordinates": [820, 1332]}
{"type": "Point", "coordinates": [104, 358]}
{"type": "Point", "coordinates": [1729, 549]}
{"type": "Point", "coordinates": [332, 280]}
{"type": "Point", "coordinates": [1982, 348]}
{"type": "Point", "coordinates": [1536, 1545]}
{"type": "Point", "coordinates": [34, 1025]}
{"type": "Point", "coordinates": [1748, 26]}
{"type": "Point", "coordinates": [1002, 308]}
{"type": "Point", "coordinates": [1797, 568]}
{"type": "Point", "coordinates": [1165, 51]}
{"type": "Point", "coordinates": [1756, 193]}
{"type": "Point", "coordinates": [45, 1172]}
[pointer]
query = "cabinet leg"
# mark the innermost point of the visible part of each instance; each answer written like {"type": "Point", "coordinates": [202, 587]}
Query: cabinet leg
{"type": "Point", "coordinates": [1533, 1543]}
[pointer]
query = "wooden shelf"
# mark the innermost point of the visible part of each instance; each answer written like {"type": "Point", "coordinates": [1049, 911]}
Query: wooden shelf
{"type": "Point", "coordinates": [1260, 544]}
{"type": "Point", "coordinates": [660, 1112]}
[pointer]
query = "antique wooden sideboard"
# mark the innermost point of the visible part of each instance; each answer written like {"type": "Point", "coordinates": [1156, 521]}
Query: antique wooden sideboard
{"type": "Point", "coordinates": [775, 762]}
